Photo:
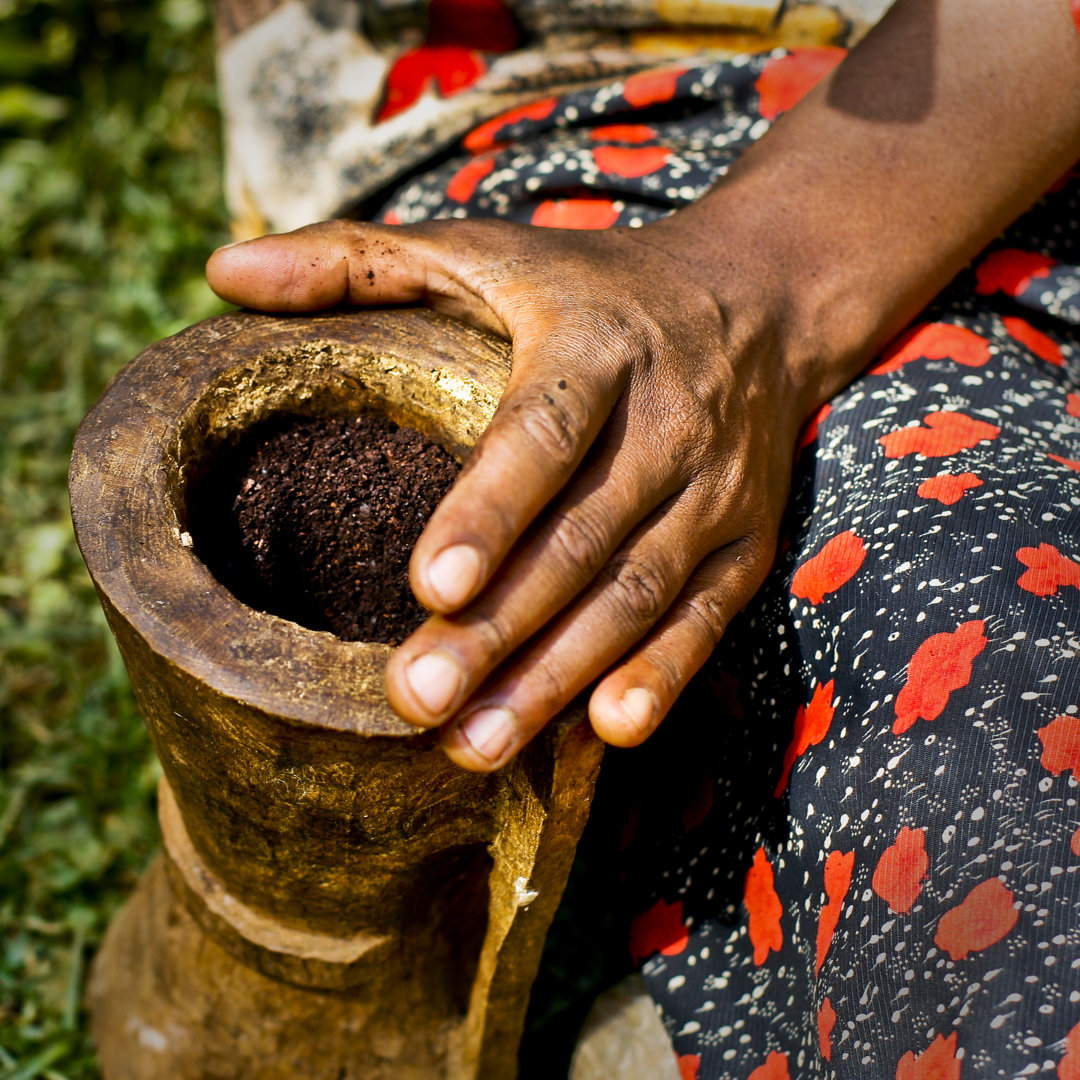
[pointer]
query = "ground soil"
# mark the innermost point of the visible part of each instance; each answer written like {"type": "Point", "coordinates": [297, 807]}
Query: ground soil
{"type": "Point", "coordinates": [315, 520]}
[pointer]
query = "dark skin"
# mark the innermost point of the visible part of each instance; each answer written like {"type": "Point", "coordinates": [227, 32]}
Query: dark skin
{"type": "Point", "coordinates": [625, 501]}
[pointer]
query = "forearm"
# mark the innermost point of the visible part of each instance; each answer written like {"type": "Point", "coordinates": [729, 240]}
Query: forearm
{"type": "Point", "coordinates": [864, 201]}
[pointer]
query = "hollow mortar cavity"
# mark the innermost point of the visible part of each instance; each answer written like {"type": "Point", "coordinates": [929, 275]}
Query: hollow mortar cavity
{"type": "Point", "coordinates": [313, 383]}
{"type": "Point", "coordinates": [314, 520]}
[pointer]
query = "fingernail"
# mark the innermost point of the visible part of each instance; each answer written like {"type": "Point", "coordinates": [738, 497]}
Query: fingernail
{"type": "Point", "coordinates": [489, 732]}
{"type": "Point", "coordinates": [435, 679]}
{"type": "Point", "coordinates": [453, 574]}
{"type": "Point", "coordinates": [639, 705]}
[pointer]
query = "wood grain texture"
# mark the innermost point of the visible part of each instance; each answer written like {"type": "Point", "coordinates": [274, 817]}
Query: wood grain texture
{"type": "Point", "coordinates": [317, 840]}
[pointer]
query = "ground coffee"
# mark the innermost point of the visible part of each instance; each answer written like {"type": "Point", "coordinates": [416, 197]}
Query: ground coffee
{"type": "Point", "coordinates": [315, 520]}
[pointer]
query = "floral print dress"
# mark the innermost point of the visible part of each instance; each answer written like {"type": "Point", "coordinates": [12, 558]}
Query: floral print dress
{"type": "Point", "coordinates": [861, 854]}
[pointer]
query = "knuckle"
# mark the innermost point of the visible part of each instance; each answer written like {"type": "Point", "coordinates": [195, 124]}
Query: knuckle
{"type": "Point", "coordinates": [709, 613]}
{"type": "Point", "coordinates": [624, 337]}
{"type": "Point", "coordinates": [638, 587]}
{"type": "Point", "coordinates": [496, 521]}
{"type": "Point", "coordinates": [753, 558]}
{"type": "Point", "coordinates": [343, 229]}
{"type": "Point", "coordinates": [292, 283]}
{"type": "Point", "coordinates": [551, 688]}
{"type": "Point", "coordinates": [464, 512]}
{"type": "Point", "coordinates": [491, 632]}
{"type": "Point", "coordinates": [670, 671]}
{"type": "Point", "coordinates": [497, 638]}
{"type": "Point", "coordinates": [733, 474]}
{"type": "Point", "coordinates": [581, 541]}
{"type": "Point", "coordinates": [553, 422]}
{"type": "Point", "coordinates": [688, 433]}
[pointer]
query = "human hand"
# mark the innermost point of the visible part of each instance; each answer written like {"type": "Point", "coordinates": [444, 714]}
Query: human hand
{"type": "Point", "coordinates": [640, 459]}
{"type": "Point", "coordinates": [625, 500]}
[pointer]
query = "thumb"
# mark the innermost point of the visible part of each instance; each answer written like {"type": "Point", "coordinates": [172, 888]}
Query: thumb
{"type": "Point", "coordinates": [333, 262]}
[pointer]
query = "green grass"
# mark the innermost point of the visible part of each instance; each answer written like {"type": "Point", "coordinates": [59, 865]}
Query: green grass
{"type": "Point", "coordinates": [110, 199]}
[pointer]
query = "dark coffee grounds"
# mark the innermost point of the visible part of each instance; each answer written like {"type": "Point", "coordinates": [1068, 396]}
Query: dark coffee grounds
{"type": "Point", "coordinates": [315, 520]}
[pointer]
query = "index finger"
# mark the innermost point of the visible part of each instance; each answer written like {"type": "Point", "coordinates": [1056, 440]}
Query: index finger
{"type": "Point", "coordinates": [553, 408]}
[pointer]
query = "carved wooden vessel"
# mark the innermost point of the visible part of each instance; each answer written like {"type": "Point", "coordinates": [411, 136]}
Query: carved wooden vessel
{"type": "Point", "coordinates": [334, 899]}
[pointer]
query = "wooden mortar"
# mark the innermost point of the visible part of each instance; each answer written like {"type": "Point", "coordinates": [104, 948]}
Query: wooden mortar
{"type": "Point", "coordinates": [335, 898]}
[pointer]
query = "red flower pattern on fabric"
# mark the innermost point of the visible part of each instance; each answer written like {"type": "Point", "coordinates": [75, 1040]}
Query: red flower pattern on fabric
{"type": "Point", "coordinates": [786, 80]}
{"type": "Point", "coordinates": [452, 68]}
{"type": "Point", "coordinates": [940, 665]}
{"type": "Point", "coordinates": [688, 1066]}
{"type": "Point", "coordinates": [459, 32]}
{"type": "Point", "coordinates": [484, 137]}
{"type": "Point", "coordinates": [1048, 570]}
{"type": "Point", "coordinates": [811, 726]}
{"type": "Point", "coordinates": [629, 133]}
{"type": "Point", "coordinates": [826, 1021]}
{"type": "Point", "coordinates": [576, 214]}
{"type": "Point", "coordinates": [901, 871]}
{"type": "Point", "coordinates": [1042, 345]}
{"type": "Point", "coordinates": [463, 184]}
{"type": "Point", "coordinates": [658, 930]}
{"type": "Point", "coordinates": [838, 870]}
{"type": "Point", "coordinates": [651, 87]}
{"type": "Point", "coordinates": [938, 1061]}
{"type": "Point", "coordinates": [1069, 1066]}
{"type": "Point", "coordinates": [934, 341]}
{"type": "Point", "coordinates": [1061, 746]}
{"type": "Point", "coordinates": [1011, 271]}
{"type": "Point", "coordinates": [834, 565]}
{"type": "Point", "coordinates": [775, 1068]}
{"type": "Point", "coordinates": [630, 161]}
{"type": "Point", "coordinates": [764, 908]}
{"type": "Point", "coordinates": [943, 434]}
{"type": "Point", "coordinates": [980, 920]}
{"type": "Point", "coordinates": [1067, 462]}
{"type": "Point", "coordinates": [948, 488]}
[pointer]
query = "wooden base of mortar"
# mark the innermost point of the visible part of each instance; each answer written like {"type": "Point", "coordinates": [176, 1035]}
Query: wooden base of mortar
{"type": "Point", "coordinates": [191, 985]}
{"type": "Point", "coordinates": [168, 1003]}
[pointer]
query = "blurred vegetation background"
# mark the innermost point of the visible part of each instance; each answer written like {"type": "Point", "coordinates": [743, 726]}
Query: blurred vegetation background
{"type": "Point", "coordinates": [110, 200]}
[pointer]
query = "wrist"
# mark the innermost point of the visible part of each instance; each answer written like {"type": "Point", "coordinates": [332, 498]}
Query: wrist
{"type": "Point", "coordinates": [784, 295]}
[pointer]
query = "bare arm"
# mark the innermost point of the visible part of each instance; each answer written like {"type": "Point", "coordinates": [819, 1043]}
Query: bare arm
{"type": "Point", "coordinates": [639, 463]}
{"type": "Point", "coordinates": [950, 119]}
